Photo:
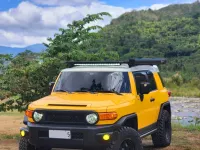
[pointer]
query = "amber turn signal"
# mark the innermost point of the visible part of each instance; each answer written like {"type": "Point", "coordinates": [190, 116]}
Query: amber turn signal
{"type": "Point", "coordinates": [29, 113]}
{"type": "Point", "coordinates": [108, 116]}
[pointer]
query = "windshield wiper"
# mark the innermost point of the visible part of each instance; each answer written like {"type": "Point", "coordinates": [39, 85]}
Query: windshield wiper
{"type": "Point", "coordinates": [85, 91]}
{"type": "Point", "coordinates": [110, 92]}
{"type": "Point", "coordinates": [63, 91]}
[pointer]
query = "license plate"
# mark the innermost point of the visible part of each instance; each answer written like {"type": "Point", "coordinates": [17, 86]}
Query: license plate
{"type": "Point", "coordinates": [59, 134]}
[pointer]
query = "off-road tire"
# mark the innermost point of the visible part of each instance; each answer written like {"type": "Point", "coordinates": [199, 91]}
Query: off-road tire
{"type": "Point", "coordinates": [25, 145]}
{"type": "Point", "coordinates": [43, 149]}
{"type": "Point", "coordinates": [127, 133]}
{"type": "Point", "coordinates": [162, 137]}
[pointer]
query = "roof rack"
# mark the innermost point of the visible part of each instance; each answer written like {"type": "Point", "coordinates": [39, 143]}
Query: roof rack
{"type": "Point", "coordinates": [131, 62]}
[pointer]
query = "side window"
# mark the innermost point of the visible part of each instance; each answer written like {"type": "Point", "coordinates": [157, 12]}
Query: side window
{"type": "Point", "coordinates": [139, 78]}
{"type": "Point", "coordinates": [125, 88]}
{"type": "Point", "coordinates": [151, 80]}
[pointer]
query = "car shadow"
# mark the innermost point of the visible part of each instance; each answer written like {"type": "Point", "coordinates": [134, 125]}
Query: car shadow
{"type": "Point", "coordinates": [148, 145]}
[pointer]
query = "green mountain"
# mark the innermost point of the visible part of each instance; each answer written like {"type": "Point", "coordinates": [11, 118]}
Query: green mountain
{"type": "Point", "coordinates": [172, 32]}
{"type": "Point", "coordinates": [36, 48]}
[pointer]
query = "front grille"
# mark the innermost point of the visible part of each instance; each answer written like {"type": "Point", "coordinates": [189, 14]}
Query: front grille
{"type": "Point", "coordinates": [64, 117]}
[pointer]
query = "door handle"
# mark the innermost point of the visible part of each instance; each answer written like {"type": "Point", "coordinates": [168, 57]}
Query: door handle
{"type": "Point", "coordinates": [152, 99]}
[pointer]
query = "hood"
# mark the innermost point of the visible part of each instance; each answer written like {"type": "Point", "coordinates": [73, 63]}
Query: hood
{"type": "Point", "coordinates": [79, 101]}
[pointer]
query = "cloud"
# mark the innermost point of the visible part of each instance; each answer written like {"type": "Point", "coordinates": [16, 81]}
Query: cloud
{"type": "Point", "coordinates": [30, 23]}
{"type": "Point", "coordinates": [153, 7]}
{"type": "Point", "coordinates": [185, 1]}
{"type": "Point", "coordinates": [159, 6]}
{"type": "Point", "coordinates": [64, 2]}
{"type": "Point", "coordinates": [18, 39]}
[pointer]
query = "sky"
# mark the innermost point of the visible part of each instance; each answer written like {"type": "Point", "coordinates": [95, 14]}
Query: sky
{"type": "Point", "coordinates": [27, 22]}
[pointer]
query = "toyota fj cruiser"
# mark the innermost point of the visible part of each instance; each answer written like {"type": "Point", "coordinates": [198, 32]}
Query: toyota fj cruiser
{"type": "Point", "coordinates": [101, 105]}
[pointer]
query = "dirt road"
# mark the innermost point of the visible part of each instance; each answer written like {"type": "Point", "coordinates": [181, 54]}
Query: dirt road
{"type": "Point", "coordinates": [10, 124]}
{"type": "Point", "coordinates": [182, 139]}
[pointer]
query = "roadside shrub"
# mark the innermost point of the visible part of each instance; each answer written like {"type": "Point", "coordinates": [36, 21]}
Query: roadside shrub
{"type": "Point", "coordinates": [177, 79]}
{"type": "Point", "coordinates": [195, 82]}
{"type": "Point", "coordinates": [4, 94]}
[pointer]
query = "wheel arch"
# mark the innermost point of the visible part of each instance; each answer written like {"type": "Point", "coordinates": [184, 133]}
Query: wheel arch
{"type": "Point", "coordinates": [165, 106]}
{"type": "Point", "coordinates": [130, 121]}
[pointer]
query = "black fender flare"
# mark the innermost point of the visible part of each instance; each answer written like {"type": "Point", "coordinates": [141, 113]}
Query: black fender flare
{"type": "Point", "coordinates": [163, 107]}
{"type": "Point", "coordinates": [123, 120]}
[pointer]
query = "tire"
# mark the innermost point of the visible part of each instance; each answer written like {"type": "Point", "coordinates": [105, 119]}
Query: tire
{"type": "Point", "coordinates": [25, 145]}
{"type": "Point", "coordinates": [127, 137]}
{"type": "Point", "coordinates": [162, 137]}
{"type": "Point", "coordinates": [43, 149]}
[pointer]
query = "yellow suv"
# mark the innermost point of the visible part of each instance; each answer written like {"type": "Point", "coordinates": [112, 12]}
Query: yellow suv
{"type": "Point", "coordinates": [101, 105]}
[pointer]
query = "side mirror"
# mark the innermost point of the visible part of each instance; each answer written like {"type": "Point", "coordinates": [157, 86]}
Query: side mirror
{"type": "Point", "coordinates": [51, 85]}
{"type": "Point", "coordinates": [144, 88]}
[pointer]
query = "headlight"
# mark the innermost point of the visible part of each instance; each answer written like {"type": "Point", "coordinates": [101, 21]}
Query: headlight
{"type": "Point", "coordinates": [92, 118]}
{"type": "Point", "coordinates": [37, 116]}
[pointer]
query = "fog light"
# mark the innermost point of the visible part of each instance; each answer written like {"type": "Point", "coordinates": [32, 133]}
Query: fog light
{"type": "Point", "coordinates": [23, 133]}
{"type": "Point", "coordinates": [106, 137]}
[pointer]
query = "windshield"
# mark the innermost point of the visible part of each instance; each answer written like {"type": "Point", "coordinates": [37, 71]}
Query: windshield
{"type": "Point", "coordinates": [93, 82]}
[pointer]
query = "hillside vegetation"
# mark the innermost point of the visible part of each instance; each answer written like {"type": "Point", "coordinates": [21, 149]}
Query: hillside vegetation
{"type": "Point", "coordinates": [172, 32]}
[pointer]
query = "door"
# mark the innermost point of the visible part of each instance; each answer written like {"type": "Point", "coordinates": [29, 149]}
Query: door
{"type": "Point", "coordinates": [154, 95]}
{"type": "Point", "coordinates": [146, 114]}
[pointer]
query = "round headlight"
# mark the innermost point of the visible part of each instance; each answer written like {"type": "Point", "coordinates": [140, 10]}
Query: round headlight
{"type": "Point", "coordinates": [37, 116]}
{"type": "Point", "coordinates": [92, 118]}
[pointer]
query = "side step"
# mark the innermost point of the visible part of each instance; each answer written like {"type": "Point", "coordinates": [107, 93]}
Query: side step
{"type": "Point", "coordinates": [148, 133]}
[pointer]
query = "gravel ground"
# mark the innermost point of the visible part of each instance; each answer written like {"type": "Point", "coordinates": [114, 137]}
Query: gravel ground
{"type": "Point", "coordinates": [185, 110]}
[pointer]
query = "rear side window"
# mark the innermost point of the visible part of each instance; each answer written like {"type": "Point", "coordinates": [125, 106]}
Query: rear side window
{"type": "Point", "coordinates": [144, 76]}
{"type": "Point", "coordinates": [151, 80]}
{"type": "Point", "coordinates": [139, 78]}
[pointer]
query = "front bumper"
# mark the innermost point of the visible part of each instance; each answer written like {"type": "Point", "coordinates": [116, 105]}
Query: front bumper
{"type": "Point", "coordinates": [82, 136]}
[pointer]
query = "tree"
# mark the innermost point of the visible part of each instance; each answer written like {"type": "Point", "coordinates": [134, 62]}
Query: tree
{"type": "Point", "coordinates": [29, 74]}
{"type": "Point", "coordinates": [78, 36]}
{"type": "Point", "coordinates": [4, 62]}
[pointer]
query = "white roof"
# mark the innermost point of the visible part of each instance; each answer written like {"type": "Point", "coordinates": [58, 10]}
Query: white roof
{"type": "Point", "coordinates": [110, 68]}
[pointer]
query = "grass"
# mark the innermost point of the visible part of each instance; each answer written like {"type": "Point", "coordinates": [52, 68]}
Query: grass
{"type": "Point", "coordinates": [186, 128]}
{"type": "Point", "coordinates": [181, 87]}
{"type": "Point", "coordinates": [185, 137]}
{"type": "Point", "coordinates": [9, 137]}
{"type": "Point", "coordinates": [184, 91]}
{"type": "Point", "coordinates": [11, 113]}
